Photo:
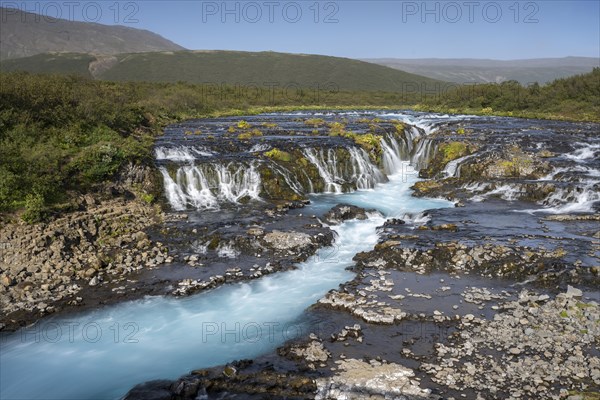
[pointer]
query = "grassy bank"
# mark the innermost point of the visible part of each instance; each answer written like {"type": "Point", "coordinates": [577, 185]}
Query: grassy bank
{"type": "Point", "coordinates": [61, 136]}
{"type": "Point", "coordinates": [575, 98]}
{"type": "Point", "coordinates": [65, 135]}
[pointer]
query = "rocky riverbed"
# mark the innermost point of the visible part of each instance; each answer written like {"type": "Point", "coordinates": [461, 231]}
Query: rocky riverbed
{"type": "Point", "coordinates": [496, 297]}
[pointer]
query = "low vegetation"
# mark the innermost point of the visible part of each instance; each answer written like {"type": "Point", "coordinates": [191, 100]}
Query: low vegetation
{"type": "Point", "coordinates": [64, 135]}
{"type": "Point", "coordinates": [279, 155]}
{"type": "Point", "coordinates": [574, 98]}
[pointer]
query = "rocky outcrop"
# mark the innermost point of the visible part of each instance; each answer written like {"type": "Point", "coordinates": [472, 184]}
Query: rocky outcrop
{"type": "Point", "coordinates": [357, 379]}
{"type": "Point", "coordinates": [344, 212]}
{"type": "Point", "coordinates": [530, 337]}
{"type": "Point", "coordinates": [240, 377]}
{"type": "Point", "coordinates": [48, 264]}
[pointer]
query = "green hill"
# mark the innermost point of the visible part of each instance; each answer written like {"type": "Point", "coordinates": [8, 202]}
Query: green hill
{"type": "Point", "coordinates": [59, 63]}
{"type": "Point", "coordinates": [230, 67]}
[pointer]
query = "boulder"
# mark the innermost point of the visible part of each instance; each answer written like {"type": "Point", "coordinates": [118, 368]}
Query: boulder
{"type": "Point", "coordinates": [345, 212]}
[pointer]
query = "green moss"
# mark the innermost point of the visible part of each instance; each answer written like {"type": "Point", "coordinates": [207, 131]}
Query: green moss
{"type": "Point", "coordinates": [337, 129]}
{"type": "Point", "coordinates": [278, 155]}
{"type": "Point", "coordinates": [214, 243]}
{"type": "Point", "coordinates": [564, 314]}
{"type": "Point", "coordinates": [314, 122]}
{"type": "Point", "coordinates": [452, 150]}
{"type": "Point", "coordinates": [368, 141]}
{"type": "Point", "coordinates": [426, 186]}
{"type": "Point", "coordinates": [400, 126]}
{"type": "Point", "coordinates": [243, 125]}
{"type": "Point", "coordinates": [147, 198]}
{"type": "Point", "coordinates": [275, 188]}
{"type": "Point", "coordinates": [249, 135]}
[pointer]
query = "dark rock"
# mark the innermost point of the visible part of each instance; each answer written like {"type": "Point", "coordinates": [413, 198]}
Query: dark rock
{"type": "Point", "coordinates": [344, 212]}
{"type": "Point", "coordinates": [153, 390]}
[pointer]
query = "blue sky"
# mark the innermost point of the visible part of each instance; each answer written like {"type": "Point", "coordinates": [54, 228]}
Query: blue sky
{"type": "Point", "coordinates": [359, 29]}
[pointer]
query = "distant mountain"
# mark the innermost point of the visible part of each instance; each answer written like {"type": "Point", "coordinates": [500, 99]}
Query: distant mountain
{"type": "Point", "coordinates": [25, 34]}
{"type": "Point", "coordinates": [542, 70]}
{"type": "Point", "coordinates": [229, 67]}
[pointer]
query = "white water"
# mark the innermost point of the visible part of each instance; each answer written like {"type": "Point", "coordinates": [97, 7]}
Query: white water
{"type": "Point", "coordinates": [205, 186]}
{"type": "Point", "coordinates": [181, 153]}
{"type": "Point", "coordinates": [364, 175]}
{"type": "Point", "coordinates": [391, 155]}
{"type": "Point", "coordinates": [585, 151]}
{"type": "Point", "coordinates": [423, 153]}
{"type": "Point", "coordinates": [326, 163]}
{"type": "Point", "coordinates": [452, 169]}
{"type": "Point", "coordinates": [162, 337]}
{"type": "Point", "coordinates": [506, 192]}
{"type": "Point", "coordinates": [570, 200]}
{"type": "Point", "coordinates": [588, 171]}
{"type": "Point", "coordinates": [427, 122]}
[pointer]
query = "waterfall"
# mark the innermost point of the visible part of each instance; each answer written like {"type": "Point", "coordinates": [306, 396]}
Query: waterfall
{"type": "Point", "coordinates": [203, 186]}
{"type": "Point", "coordinates": [392, 155]}
{"type": "Point", "coordinates": [289, 178]}
{"type": "Point", "coordinates": [412, 146]}
{"type": "Point", "coordinates": [327, 166]}
{"type": "Point", "coordinates": [580, 198]}
{"type": "Point", "coordinates": [452, 169]}
{"type": "Point", "coordinates": [359, 171]}
{"type": "Point", "coordinates": [422, 154]}
{"type": "Point", "coordinates": [364, 173]}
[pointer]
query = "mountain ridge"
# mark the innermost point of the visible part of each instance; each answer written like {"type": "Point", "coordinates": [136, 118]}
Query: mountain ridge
{"type": "Point", "coordinates": [473, 70]}
{"type": "Point", "coordinates": [24, 34]}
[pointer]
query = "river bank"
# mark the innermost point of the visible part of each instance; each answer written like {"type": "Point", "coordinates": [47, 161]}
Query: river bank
{"type": "Point", "coordinates": [422, 276]}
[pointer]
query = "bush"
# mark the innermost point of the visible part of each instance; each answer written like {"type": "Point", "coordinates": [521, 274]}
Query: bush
{"type": "Point", "coordinates": [337, 129]}
{"type": "Point", "coordinates": [249, 135]}
{"type": "Point", "coordinates": [278, 155]}
{"type": "Point", "coordinates": [34, 208]}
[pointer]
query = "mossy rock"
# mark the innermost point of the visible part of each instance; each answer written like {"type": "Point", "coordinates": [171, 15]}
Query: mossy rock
{"type": "Point", "coordinates": [424, 187]}
{"type": "Point", "coordinates": [445, 153]}
{"type": "Point", "coordinates": [278, 155]}
{"type": "Point", "coordinates": [274, 186]}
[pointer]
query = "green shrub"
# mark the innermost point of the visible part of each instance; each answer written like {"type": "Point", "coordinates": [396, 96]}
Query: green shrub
{"type": "Point", "coordinates": [249, 135]}
{"type": "Point", "coordinates": [314, 122]}
{"type": "Point", "coordinates": [243, 125]}
{"type": "Point", "coordinates": [337, 129]}
{"type": "Point", "coordinates": [34, 208]}
{"type": "Point", "coordinates": [278, 155]}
